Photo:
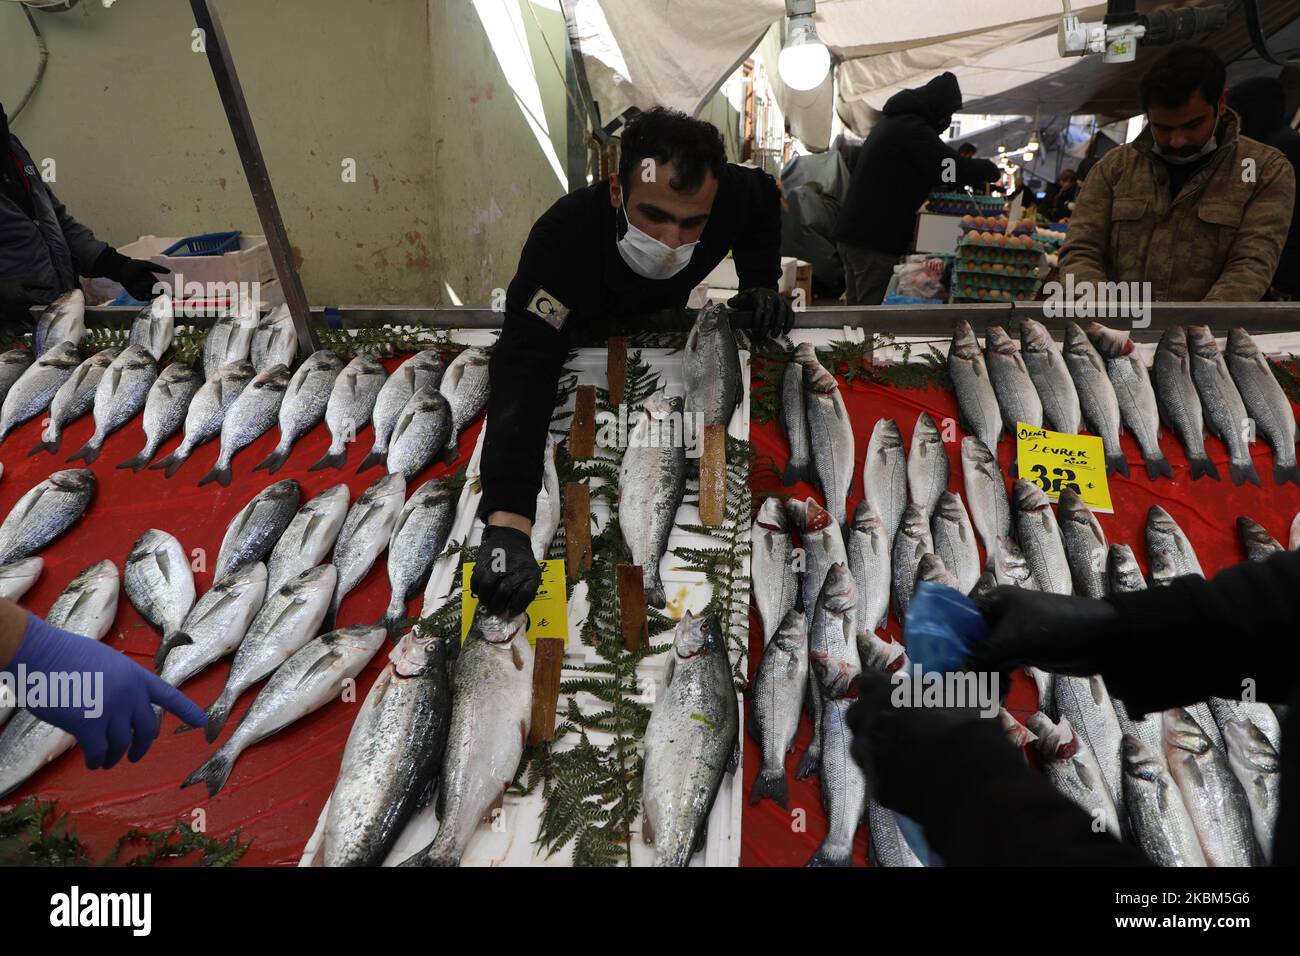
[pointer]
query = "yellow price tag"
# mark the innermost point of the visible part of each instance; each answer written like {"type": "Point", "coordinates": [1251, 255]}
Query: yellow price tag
{"type": "Point", "coordinates": [1055, 461]}
{"type": "Point", "coordinates": [548, 615]}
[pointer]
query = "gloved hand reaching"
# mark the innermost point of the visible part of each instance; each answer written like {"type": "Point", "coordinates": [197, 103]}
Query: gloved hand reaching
{"type": "Point", "coordinates": [506, 575]}
{"type": "Point", "coordinates": [137, 276]}
{"type": "Point", "coordinates": [772, 314]}
{"type": "Point", "coordinates": [18, 294]}
{"type": "Point", "coordinates": [1061, 634]}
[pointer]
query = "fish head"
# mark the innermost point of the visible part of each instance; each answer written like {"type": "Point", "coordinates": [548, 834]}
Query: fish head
{"type": "Point", "coordinates": [707, 321]}
{"type": "Point", "coordinates": [1160, 521]}
{"type": "Point", "coordinates": [274, 379]}
{"type": "Point", "coordinates": [148, 543]}
{"type": "Point", "coordinates": [1027, 496]}
{"type": "Point", "coordinates": [237, 373]}
{"type": "Point", "coordinates": [384, 487]}
{"type": "Point", "coordinates": [1174, 341]}
{"type": "Point", "coordinates": [1035, 338]}
{"type": "Point", "coordinates": [324, 361]}
{"type": "Point", "coordinates": [1201, 342]}
{"type": "Point", "coordinates": [964, 344]}
{"type": "Point", "coordinates": [866, 521]}
{"type": "Point", "coordinates": [1138, 761]}
{"type": "Point", "coordinates": [879, 654]}
{"type": "Point", "coordinates": [134, 357]}
{"type": "Point", "coordinates": [321, 577]}
{"type": "Point", "coordinates": [1110, 343]}
{"type": "Point", "coordinates": [1056, 741]}
{"type": "Point", "coordinates": [105, 357]}
{"type": "Point", "coordinates": [805, 353]}
{"type": "Point", "coordinates": [368, 364]}
{"type": "Point", "coordinates": [282, 490]}
{"type": "Point", "coordinates": [1240, 343]}
{"type": "Point", "coordinates": [237, 580]}
{"type": "Point", "coordinates": [1071, 507]}
{"type": "Point", "coordinates": [431, 494]}
{"type": "Point", "coordinates": [73, 480]}
{"type": "Point", "coordinates": [984, 585]}
{"type": "Point", "coordinates": [913, 523]}
{"type": "Point", "coordinates": [1164, 566]}
{"type": "Point", "coordinates": [1248, 748]}
{"type": "Point", "coordinates": [772, 516]}
{"type": "Point", "coordinates": [362, 638]}
{"type": "Point", "coordinates": [1252, 532]}
{"type": "Point", "coordinates": [926, 432]}
{"type": "Point", "coordinates": [178, 373]}
{"type": "Point", "coordinates": [997, 340]}
{"type": "Point", "coordinates": [660, 405]}
{"type": "Point", "coordinates": [885, 436]}
{"type": "Point", "coordinates": [950, 507]}
{"type": "Point", "coordinates": [793, 632]}
{"type": "Point", "coordinates": [429, 400]}
{"type": "Point", "coordinates": [17, 357]}
{"type": "Point", "coordinates": [63, 355]}
{"type": "Point", "coordinates": [839, 593]}
{"type": "Point", "coordinates": [277, 316]}
{"type": "Point", "coordinates": [1182, 733]}
{"type": "Point", "coordinates": [499, 629]}
{"type": "Point", "coordinates": [416, 652]}
{"type": "Point", "coordinates": [1125, 575]}
{"type": "Point", "coordinates": [696, 635]}
{"type": "Point", "coordinates": [1009, 564]}
{"type": "Point", "coordinates": [1076, 342]}
{"type": "Point", "coordinates": [836, 677]}
{"type": "Point", "coordinates": [974, 451]}
{"type": "Point", "coordinates": [931, 568]}
{"type": "Point", "coordinates": [818, 381]}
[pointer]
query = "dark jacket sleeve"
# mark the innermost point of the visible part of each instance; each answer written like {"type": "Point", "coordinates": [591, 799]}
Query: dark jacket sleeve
{"type": "Point", "coordinates": [1193, 638]}
{"type": "Point", "coordinates": [757, 247]}
{"type": "Point", "coordinates": [85, 248]}
{"type": "Point", "coordinates": [928, 152]}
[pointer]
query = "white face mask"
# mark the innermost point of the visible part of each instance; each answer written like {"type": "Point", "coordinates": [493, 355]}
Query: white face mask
{"type": "Point", "coordinates": [648, 257]}
{"type": "Point", "coordinates": [1210, 146]}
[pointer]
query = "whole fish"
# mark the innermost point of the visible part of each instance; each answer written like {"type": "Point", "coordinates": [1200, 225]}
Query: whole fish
{"type": "Point", "coordinates": [309, 537]}
{"type": "Point", "coordinates": [1085, 544]}
{"type": "Point", "coordinates": [165, 408]}
{"type": "Point", "coordinates": [927, 466]}
{"type": "Point", "coordinates": [711, 367]}
{"type": "Point", "coordinates": [1122, 571]}
{"type": "Point", "coordinates": [154, 327]}
{"type": "Point", "coordinates": [1224, 710]}
{"type": "Point", "coordinates": [253, 532]}
{"type": "Point", "coordinates": [1163, 534]}
{"type": "Point", "coordinates": [775, 582]}
{"type": "Point", "coordinates": [844, 788]}
{"type": "Point", "coordinates": [88, 606]}
{"type": "Point", "coordinates": [976, 399]}
{"type": "Point", "coordinates": [17, 577]}
{"type": "Point", "coordinates": [207, 411]}
{"type": "Point", "coordinates": [1225, 412]}
{"type": "Point", "coordinates": [1086, 704]}
{"type": "Point", "coordinates": [393, 756]}
{"type": "Point", "coordinates": [215, 626]}
{"type": "Point", "coordinates": [250, 416]}
{"type": "Point", "coordinates": [912, 542]}
{"type": "Point", "coordinates": [350, 405]}
{"type": "Point", "coordinates": [777, 703]}
{"type": "Point", "coordinates": [651, 483]}
{"type": "Point", "coordinates": [884, 475]}
{"type": "Point", "coordinates": [986, 492]}
{"type": "Point", "coordinates": [1072, 769]}
{"type": "Point", "coordinates": [12, 366]}
{"type": "Point", "coordinates": [465, 387]}
{"type": "Point", "coordinates": [37, 386]}
{"type": "Point", "coordinates": [288, 619]}
{"type": "Point", "coordinates": [869, 550]}
{"type": "Point", "coordinates": [119, 397]}
{"type": "Point", "coordinates": [421, 429]}
{"type": "Point", "coordinates": [954, 541]}
{"type": "Point", "coordinates": [229, 340]}
{"type": "Point", "coordinates": [823, 545]}
{"type": "Point", "coordinates": [1010, 568]}
{"type": "Point", "coordinates": [274, 341]}
{"type": "Point", "coordinates": [1097, 399]}
{"type": "Point", "coordinates": [1214, 798]}
{"type": "Point", "coordinates": [1157, 816]}
{"type": "Point", "coordinates": [1258, 544]}
{"type": "Point", "coordinates": [831, 435]}
{"type": "Point", "coordinates": [1051, 378]}
{"type": "Point", "coordinates": [158, 580]}
{"type": "Point", "coordinates": [1179, 405]}
{"type": "Point", "coordinates": [304, 404]}
{"type": "Point", "coordinates": [887, 846]}
{"type": "Point", "coordinates": [64, 320]}
{"type": "Point", "coordinates": [1265, 401]}
{"type": "Point", "coordinates": [692, 739]}
{"type": "Point", "coordinates": [1040, 537]}
{"type": "Point", "coordinates": [550, 505]}
{"type": "Point", "coordinates": [418, 538]}
{"type": "Point", "coordinates": [491, 711]}
{"type": "Point", "coordinates": [1254, 762]}
{"type": "Point", "coordinates": [794, 419]}
{"type": "Point", "coordinates": [423, 370]}
{"type": "Point", "coordinates": [312, 677]}
{"type": "Point", "coordinates": [832, 634]}
{"type": "Point", "coordinates": [44, 513]}
{"type": "Point", "coordinates": [1017, 397]}
{"type": "Point", "coordinates": [366, 532]}
{"type": "Point", "coordinates": [74, 398]}
{"type": "Point", "coordinates": [1137, 399]}
{"type": "Point", "coordinates": [931, 568]}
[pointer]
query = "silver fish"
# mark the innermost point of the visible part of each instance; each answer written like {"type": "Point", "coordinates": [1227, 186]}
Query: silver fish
{"type": "Point", "coordinates": [88, 606]}
{"type": "Point", "coordinates": [927, 465]}
{"type": "Point", "coordinates": [288, 619]}
{"type": "Point", "coordinates": [12, 366]}
{"type": "Point", "coordinates": [207, 411]}
{"type": "Point", "coordinates": [931, 568]}
{"type": "Point", "coordinates": [1122, 572]}
{"type": "Point", "coordinates": [1085, 544]}
{"type": "Point", "coordinates": [365, 534]}
{"type": "Point", "coordinates": [1051, 378]}
{"type": "Point", "coordinates": [158, 580]}
{"type": "Point", "coordinates": [417, 539]}
{"type": "Point", "coordinates": [652, 481]}
{"type": "Point", "coordinates": [304, 404]}
{"type": "Point", "coordinates": [1040, 537]}
{"type": "Point", "coordinates": [1010, 568]}
{"type": "Point", "coordinates": [1265, 401]}
{"type": "Point", "coordinates": [37, 386]}
{"type": "Point", "coordinates": [1138, 409]}
{"type": "Point", "coordinates": [64, 320]}
{"type": "Point", "coordinates": [1163, 534]}
{"type": "Point", "coordinates": [1086, 704]}
{"type": "Point", "coordinates": [312, 677]}
{"type": "Point", "coordinates": [794, 418]}
{"type": "Point", "coordinates": [164, 409]}
{"type": "Point", "coordinates": [1258, 544]}
{"type": "Point", "coordinates": [869, 549]}
{"type": "Point", "coordinates": [550, 505]}
{"type": "Point", "coordinates": [832, 634]}
{"type": "Point", "coordinates": [274, 341]}
{"type": "Point", "coordinates": [350, 405]}
{"type": "Point", "coordinates": [393, 756]}
{"type": "Point", "coordinates": [777, 703]}
{"type": "Point", "coordinates": [884, 475]}
{"type": "Point", "coordinates": [119, 397]}
{"type": "Point", "coordinates": [775, 582]}
{"type": "Point", "coordinates": [1255, 763]}
{"type": "Point", "coordinates": [17, 577]}
{"type": "Point", "coordinates": [491, 711]}
{"type": "Point", "coordinates": [1072, 769]}
{"type": "Point", "coordinates": [1224, 710]}
{"type": "Point", "coordinates": [1213, 796]}
{"type": "Point", "coordinates": [1179, 405]}
{"type": "Point", "coordinates": [887, 846]}
{"type": "Point", "coordinates": [465, 387]}
{"type": "Point", "coordinates": [421, 429]}
{"type": "Point", "coordinates": [1225, 412]}
{"type": "Point", "coordinates": [154, 327]}
{"type": "Point", "coordinates": [1097, 397]}
{"type": "Point", "coordinates": [823, 545]}
{"type": "Point", "coordinates": [692, 739]}
{"type": "Point", "coordinates": [844, 789]}
{"type": "Point", "coordinates": [423, 370]}
{"type": "Point", "coordinates": [954, 541]}
{"type": "Point", "coordinates": [250, 416]}
{"type": "Point", "coordinates": [75, 397]}
{"type": "Point", "coordinates": [711, 367]}
{"type": "Point", "coordinates": [986, 492]}
{"type": "Point", "coordinates": [45, 512]}
{"type": "Point", "coordinates": [1157, 816]}
{"type": "Point", "coordinates": [831, 436]}
{"type": "Point", "coordinates": [1017, 397]}
{"type": "Point", "coordinates": [229, 340]}
{"type": "Point", "coordinates": [309, 537]}
{"type": "Point", "coordinates": [976, 400]}
{"type": "Point", "coordinates": [912, 542]}
{"type": "Point", "coordinates": [1164, 567]}
{"type": "Point", "coordinates": [253, 532]}
{"type": "Point", "coordinates": [215, 626]}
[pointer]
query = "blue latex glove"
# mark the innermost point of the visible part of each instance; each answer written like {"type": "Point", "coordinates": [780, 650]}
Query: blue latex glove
{"type": "Point", "coordinates": [942, 627]}
{"type": "Point", "coordinates": [125, 717]}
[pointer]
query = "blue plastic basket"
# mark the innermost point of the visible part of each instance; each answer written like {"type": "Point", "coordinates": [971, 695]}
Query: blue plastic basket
{"type": "Point", "coordinates": [209, 244]}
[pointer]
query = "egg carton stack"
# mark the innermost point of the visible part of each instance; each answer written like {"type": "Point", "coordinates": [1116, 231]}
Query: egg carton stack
{"type": "Point", "coordinates": [995, 267]}
{"type": "Point", "coordinates": [958, 204]}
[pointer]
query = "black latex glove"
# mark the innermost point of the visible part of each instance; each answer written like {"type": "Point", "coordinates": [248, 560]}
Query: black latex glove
{"type": "Point", "coordinates": [137, 276]}
{"type": "Point", "coordinates": [1061, 634]}
{"type": "Point", "coordinates": [506, 575]}
{"type": "Point", "coordinates": [18, 294]}
{"type": "Point", "coordinates": [772, 314]}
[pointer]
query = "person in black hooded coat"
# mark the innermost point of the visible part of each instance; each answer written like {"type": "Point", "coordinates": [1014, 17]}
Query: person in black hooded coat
{"type": "Point", "coordinates": [901, 161]}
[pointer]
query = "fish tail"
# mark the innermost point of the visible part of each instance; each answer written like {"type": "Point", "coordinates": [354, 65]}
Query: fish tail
{"type": "Point", "coordinates": [170, 465]}
{"type": "Point", "coordinates": [372, 459]}
{"type": "Point", "coordinates": [828, 856]}
{"type": "Point", "coordinates": [770, 785]}
{"type": "Point", "coordinates": [432, 856]}
{"type": "Point", "coordinates": [87, 453]}
{"type": "Point", "coordinates": [393, 617]}
{"type": "Point", "coordinates": [219, 473]}
{"type": "Point", "coordinates": [1117, 465]}
{"type": "Point", "coordinates": [1158, 465]}
{"type": "Point", "coordinates": [138, 462]}
{"type": "Point", "coordinates": [331, 459]}
{"type": "Point", "coordinates": [1243, 473]}
{"type": "Point", "coordinates": [809, 763]}
{"type": "Point", "coordinates": [1203, 466]}
{"type": "Point", "coordinates": [794, 474]}
{"type": "Point", "coordinates": [1013, 469]}
{"type": "Point", "coordinates": [170, 643]}
{"type": "Point", "coordinates": [218, 714]}
{"type": "Point", "coordinates": [450, 451]}
{"type": "Point", "coordinates": [214, 772]}
{"type": "Point", "coordinates": [654, 587]}
{"type": "Point", "coordinates": [273, 462]}
{"type": "Point", "coordinates": [47, 444]}
{"type": "Point", "coordinates": [1282, 474]}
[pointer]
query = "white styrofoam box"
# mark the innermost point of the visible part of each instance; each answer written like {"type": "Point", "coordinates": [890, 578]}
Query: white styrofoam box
{"type": "Point", "coordinates": [513, 844]}
{"type": "Point", "coordinates": [724, 275]}
{"type": "Point", "coordinates": [937, 233]}
{"type": "Point", "coordinates": [251, 262]}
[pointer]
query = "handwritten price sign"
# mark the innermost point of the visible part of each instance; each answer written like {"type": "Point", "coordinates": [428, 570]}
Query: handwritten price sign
{"type": "Point", "coordinates": [1055, 461]}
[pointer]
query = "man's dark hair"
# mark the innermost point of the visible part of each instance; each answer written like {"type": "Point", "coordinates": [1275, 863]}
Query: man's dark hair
{"type": "Point", "coordinates": [1182, 72]}
{"type": "Point", "coordinates": [693, 146]}
{"type": "Point", "coordinates": [967, 148]}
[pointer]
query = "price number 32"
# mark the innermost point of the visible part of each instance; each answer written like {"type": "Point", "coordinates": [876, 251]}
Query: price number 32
{"type": "Point", "coordinates": [1059, 480]}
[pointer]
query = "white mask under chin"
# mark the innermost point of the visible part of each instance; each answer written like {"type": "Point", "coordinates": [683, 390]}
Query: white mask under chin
{"type": "Point", "coordinates": [648, 257]}
{"type": "Point", "coordinates": [1210, 146]}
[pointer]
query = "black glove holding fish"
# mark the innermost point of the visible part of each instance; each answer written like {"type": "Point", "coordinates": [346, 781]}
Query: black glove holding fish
{"type": "Point", "coordinates": [18, 294]}
{"type": "Point", "coordinates": [772, 314]}
{"type": "Point", "coordinates": [1061, 634]}
{"type": "Point", "coordinates": [135, 275]}
{"type": "Point", "coordinates": [506, 575]}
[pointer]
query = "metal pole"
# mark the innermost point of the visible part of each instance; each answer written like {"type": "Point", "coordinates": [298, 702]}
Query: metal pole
{"type": "Point", "coordinates": [250, 154]}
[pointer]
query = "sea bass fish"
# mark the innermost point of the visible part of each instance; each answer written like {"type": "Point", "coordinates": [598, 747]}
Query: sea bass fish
{"type": "Point", "coordinates": [870, 551]}
{"type": "Point", "coordinates": [711, 367]}
{"type": "Point", "coordinates": [775, 582]}
{"type": "Point", "coordinates": [1085, 544]}
{"type": "Point", "coordinates": [1157, 816]}
{"type": "Point", "coordinates": [652, 481]}
{"type": "Point", "coordinates": [1225, 412]}
{"type": "Point", "coordinates": [1138, 409]}
{"type": "Point", "coordinates": [1179, 405]}
{"type": "Point", "coordinates": [1213, 796]}
{"type": "Point", "coordinates": [1051, 378]}
{"type": "Point", "coordinates": [1040, 537]}
{"type": "Point", "coordinates": [831, 434]}
{"type": "Point", "coordinates": [986, 492]}
{"type": "Point", "coordinates": [1265, 401]}
{"type": "Point", "coordinates": [954, 541]}
{"type": "Point", "coordinates": [976, 399]}
{"type": "Point", "coordinates": [884, 475]}
{"type": "Point", "coordinates": [777, 702]}
{"type": "Point", "coordinates": [1097, 399]}
{"type": "Point", "coordinates": [794, 419]}
{"type": "Point", "coordinates": [927, 466]}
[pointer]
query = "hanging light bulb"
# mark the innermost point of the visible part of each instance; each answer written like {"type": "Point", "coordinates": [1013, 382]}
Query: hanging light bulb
{"type": "Point", "coordinates": [804, 62]}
